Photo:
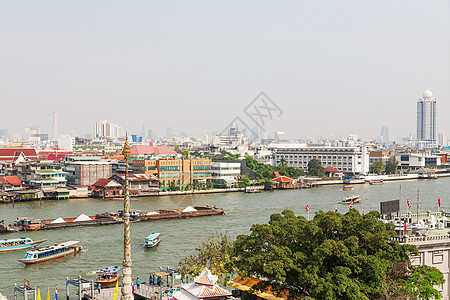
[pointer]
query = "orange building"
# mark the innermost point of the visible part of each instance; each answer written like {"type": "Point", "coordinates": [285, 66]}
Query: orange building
{"type": "Point", "coordinates": [178, 172]}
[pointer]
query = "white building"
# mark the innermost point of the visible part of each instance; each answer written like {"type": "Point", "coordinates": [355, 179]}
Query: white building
{"type": "Point", "coordinates": [427, 120]}
{"type": "Point", "coordinates": [417, 160]}
{"type": "Point", "coordinates": [106, 129]}
{"type": "Point", "coordinates": [228, 171]}
{"type": "Point", "coordinates": [354, 160]}
{"type": "Point", "coordinates": [66, 142]}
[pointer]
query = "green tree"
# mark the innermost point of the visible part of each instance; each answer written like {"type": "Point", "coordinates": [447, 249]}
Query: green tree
{"type": "Point", "coordinates": [391, 166]}
{"type": "Point", "coordinates": [245, 181]}
{"type": "Point", "coordinates": [377, 167]}
{"type": "Point", "coordinates": [333, 256]}
{"type": "Point", "coordinates": [177, 148]}
{"type": "Point", "coordinates": [185, 153]}
{"type": "Point", "coordinates": [215, 253]}
{"type": "Point", "coordinates": [315, 168]}
{"type": "Point", "coordinates": [422, 280]}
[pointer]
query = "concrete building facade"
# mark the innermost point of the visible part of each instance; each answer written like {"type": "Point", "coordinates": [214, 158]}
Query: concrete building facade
{"type": "Point", "coordinates": [427, 120]}
{"type": "Point", "coordinates": [349, 160]}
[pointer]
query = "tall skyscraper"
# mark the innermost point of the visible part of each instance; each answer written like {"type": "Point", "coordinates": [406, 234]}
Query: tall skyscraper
{"type": "Point", "coordinates": [385, 135]}
{"type": "Point", "coordinates": [427, 120]}
{"type": "Point", "coordinates": [55, 126]}
{"type": "Point", "coordinates": [106, 129]}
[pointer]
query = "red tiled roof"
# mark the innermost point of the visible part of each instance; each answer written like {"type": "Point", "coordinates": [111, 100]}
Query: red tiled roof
{"type": "Point", "coordinates": [12, 180]}
{"type": "Point", "coordinates": [214, 292]}
{"type": "Point", "coordinates": [145, 150]}
{"type": "Point", "coordinates": [55, 157]}
{"type": "Point", "coordinates": [283, 179]}
{"type": "Point", "coordinates": [102, 182]}
{"type": "Point", "coordinates": [331, 170]}
{"type": "Point", "coordinates": [13, 153]}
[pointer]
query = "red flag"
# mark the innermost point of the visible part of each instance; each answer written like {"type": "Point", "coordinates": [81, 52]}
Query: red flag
{"type": "Point", "coordinates": [405, 225]}
{"type": "Point", "coordinates": [307, 208]}
{"type": "Point", "coordinates": [409, 203]}
{"type": "Point", "coordinates": [439, 201]}
{"type": "Point", "coordinates": [335, 210]}
{"type": "Point", "coordinates": [363, 212]}
{"type": "Point", "coordinates": [351, 204]}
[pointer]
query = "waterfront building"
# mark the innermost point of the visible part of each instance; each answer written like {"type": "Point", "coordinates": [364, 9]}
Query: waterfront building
{"type": "Point", "coordinates": [204, 287]}
{"type": "Point", "coordinates": [427, 120]}
{"type": "Point", "coordinates": [380, 155]}
{"type": "Point", "coordinates": [86, 170]}
{"type": "Point", "coordinates": [417, 160]}
{"type": "Point", "coordinates": [176, 172]}
{"type": "Point", "coordinates": [10, 183]}
{"type": "Point", "coordinates": [225, 170]}
{"type": "Point", "coordinates": [349, 160]}
{"type": "Point", "coordinates": [47, 178]}
{"type": "Point", "coordinates": [139, 184]}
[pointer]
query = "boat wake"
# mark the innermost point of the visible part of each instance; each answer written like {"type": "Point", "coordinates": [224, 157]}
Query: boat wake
{"type": "Point", "coordinates": [93, 272]}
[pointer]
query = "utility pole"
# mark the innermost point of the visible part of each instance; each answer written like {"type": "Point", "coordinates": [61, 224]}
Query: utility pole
{"type": "Point", "coordinates": [127, 293]}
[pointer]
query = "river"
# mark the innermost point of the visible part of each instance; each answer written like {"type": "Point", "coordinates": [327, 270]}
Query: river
{"type": "Point", "coordinates": [103, 245]}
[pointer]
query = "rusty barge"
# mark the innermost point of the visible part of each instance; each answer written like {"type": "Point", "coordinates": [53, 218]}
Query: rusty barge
{"type": "Point", "coordinates": [33, 224]}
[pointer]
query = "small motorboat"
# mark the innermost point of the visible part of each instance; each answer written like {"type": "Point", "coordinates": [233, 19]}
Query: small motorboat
{"type": "Point", "coordinates": [152, 240]}
{"type": "Point", "coordinates": [347, 188]}
{"type": "Point", "coordinates": [108, 276]}
{"type": "Point", "coordinates": [353, 199]}
{"type": "Point", "coordinates": [375, 182]}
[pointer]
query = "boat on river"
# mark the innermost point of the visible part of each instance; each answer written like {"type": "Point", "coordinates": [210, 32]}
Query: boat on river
{"type": "Point", "coordinates": [376, 182]}
{"type": "Point", "coordinates": [353, 199]}
{"type": "Point", "coordinates": [348, 188]}
{"type": "Point", "coordinates": [108, 276]}
{"type": "Point", "coordinates": [152, 240]}
{"type": "Point", "coordinates": [51, 252]}
{"type": "Point", "coordinates": [18, 244]}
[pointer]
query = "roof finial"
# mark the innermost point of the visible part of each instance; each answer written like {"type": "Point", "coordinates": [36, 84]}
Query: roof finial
{"type": "Point", "coordinates": [126, 152]}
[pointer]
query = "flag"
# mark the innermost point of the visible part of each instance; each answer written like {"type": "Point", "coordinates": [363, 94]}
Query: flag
{"type": "Point", "coordinates": [307, 208]}
{"type": "Point", "coordinates": [439, 201]}
{"type": "Point", "coordinates": [409, 203]}
{"type": "Point", "coordinates": [335, 210]}
{"type": "Point", "coordinates": [405, 225]}
{"type": "Point", "coordinates": [48, 293]}
{"type": "Point", "coordinates": [39, 294]}
{"type": "Point", "coordinates": [132, 287]}
{"type": "Point", "coordinates": [56, 292]}
{"type": "Point", "coordinates": [363, 212]}
{"type": "Point", "coordinates": [350, 205]}
{"type": "Point", "coordinates": [116, 290]}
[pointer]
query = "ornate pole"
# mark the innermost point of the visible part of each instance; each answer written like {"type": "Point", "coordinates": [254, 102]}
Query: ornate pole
{"type": "Point", "coordinates": [127, 293]}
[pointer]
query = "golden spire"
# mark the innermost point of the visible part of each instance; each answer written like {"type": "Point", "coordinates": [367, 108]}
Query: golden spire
{"type": "Point", "coordinates": [126, 152]}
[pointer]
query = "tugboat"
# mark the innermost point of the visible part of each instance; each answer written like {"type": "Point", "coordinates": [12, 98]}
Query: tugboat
{"type": "Point", "coordinates": [108, 276]}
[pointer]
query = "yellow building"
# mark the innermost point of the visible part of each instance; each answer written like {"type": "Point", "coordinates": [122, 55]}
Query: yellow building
{"type": "Point", "coordinates": [177, 172]}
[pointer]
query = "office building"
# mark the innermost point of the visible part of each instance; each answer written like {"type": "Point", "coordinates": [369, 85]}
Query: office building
{"type": "Point", "coordinates": [106, 129]}
{"type": "Point", "coordinates": [427, 120]}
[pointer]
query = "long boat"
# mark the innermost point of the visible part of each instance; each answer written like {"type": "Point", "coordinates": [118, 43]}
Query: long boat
{"type": "Point", "coordinates": [18, 244]}
{"type": "Point", "coordinates": [376, 182]}
{"type": "Point", "coordinates": [109, 218]}
{"type": "Point", "coordinates": [353, 199]}
{"type": "Point", "coordinates": [51, 252]}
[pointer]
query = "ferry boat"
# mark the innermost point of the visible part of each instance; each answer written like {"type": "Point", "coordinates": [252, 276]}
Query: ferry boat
{"type": "Point", "coordinates": [29, 223]}
{"type": "Point", "coordinates": [347, 188]}
{"type": "Point", "coordinates": [152, 240]}
{"type": "Point", "coordinates": [374, 182]}
{"type": "Point", "coordinates": [18, 244]}
{"type": "Point", "coordinates": [107, 276]}
{"type": "Point", "coordinates": [354, 199]}
{"type": "Point", "coordinates": [51, 252]}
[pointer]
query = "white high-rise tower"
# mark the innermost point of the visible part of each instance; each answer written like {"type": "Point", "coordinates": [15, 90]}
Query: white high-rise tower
{"type": "Point", "coordinates": [55, 126]}
{"type": "Point", "coordinates": [427, 120]}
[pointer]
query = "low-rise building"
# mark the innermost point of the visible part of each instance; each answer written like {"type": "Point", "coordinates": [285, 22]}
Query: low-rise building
{"type": "Point", "coordinates": [417, 160]}
{"type": "Point", "coordinates": [86, 170]}
{"type": "Point", "coordinates": [225, 170]}
{"type": "Point", "coordinates": [383, 156]}
{"type": "Point", "coordinates": [176, 172]}
{"type": "Point", "coordinates": [350, 160]}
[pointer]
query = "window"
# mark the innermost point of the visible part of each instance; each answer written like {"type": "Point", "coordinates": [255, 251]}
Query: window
{"type": "Point", "coordinates": [169, 168]}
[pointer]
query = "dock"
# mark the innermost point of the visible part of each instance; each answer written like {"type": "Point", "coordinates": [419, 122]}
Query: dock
{"type": "Point", "coordinates": [145, 291]}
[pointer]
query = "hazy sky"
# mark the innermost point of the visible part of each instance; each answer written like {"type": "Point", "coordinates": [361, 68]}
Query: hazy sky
{"type": "Point", "coordinates": [330, 66]}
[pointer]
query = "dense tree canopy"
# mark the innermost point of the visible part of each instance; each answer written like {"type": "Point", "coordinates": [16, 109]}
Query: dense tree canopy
{"type": "Point", "coordinates": [391, 166]}
{"type": "Point", "coordinates": [267, 171]}
{"type": "Point", "coordinates": [377, 167]}
{"type": "Point", "coordinates": [333, 256]}
{"type": "Point", "coordinates": [315, 168]}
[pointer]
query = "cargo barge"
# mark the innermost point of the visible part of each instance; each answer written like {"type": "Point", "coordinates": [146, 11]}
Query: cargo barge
{"type": "Point", "coordinates": [33, 224]}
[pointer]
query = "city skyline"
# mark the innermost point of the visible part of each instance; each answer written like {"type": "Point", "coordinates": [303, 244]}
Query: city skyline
{"type": "Point", "coordinates": [332, 69]}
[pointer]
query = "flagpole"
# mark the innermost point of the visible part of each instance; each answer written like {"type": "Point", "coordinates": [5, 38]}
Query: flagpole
{"type": "Point", "coordinates": [308, 213]}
